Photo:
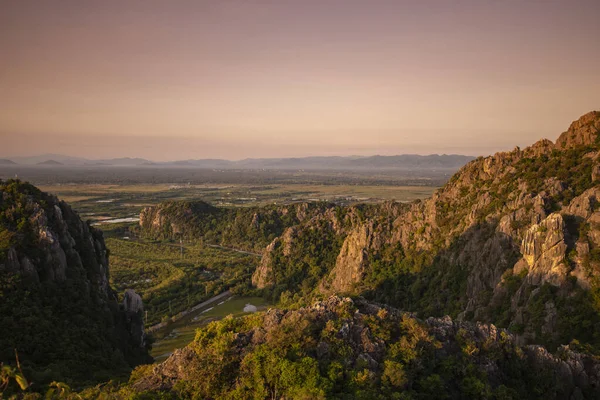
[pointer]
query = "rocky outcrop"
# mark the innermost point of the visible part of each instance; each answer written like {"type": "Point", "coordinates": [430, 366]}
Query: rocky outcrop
{"type": "Point", "coordinates": [582, 132]}
{"type": "Point", "coordinates": [370, 334]}
{"type": "Point", "coordinates": [132, 302]}
{"type": "Point", "coordinates": [133, 308]}
{"type": "Point", "coordinates": [180, 366]}
{"type": "Point", "coordinates": [352, 260]}
{"type": "Point", "coordinates": [63, 243]}
{"type": "Point", "coordinates": [544, 250]}
{"type": "Point", "coordinates": [57, 262]}
{"type": "Point", "coordinates": [495, 215]}
{"type": "Point", "coordinates": [263, 274]}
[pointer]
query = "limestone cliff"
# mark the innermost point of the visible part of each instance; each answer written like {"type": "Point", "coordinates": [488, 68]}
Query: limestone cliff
{"type": "Point", "coordinates": [512, 238]}
{"type": "Point", "coordinates": [582, 132]}
{"type": "Point", "coordinates": [527, 213]}
{"type": "Point", "coordinates": [352, 260]}
{"type": "Point", "coordinates": [55, 288]}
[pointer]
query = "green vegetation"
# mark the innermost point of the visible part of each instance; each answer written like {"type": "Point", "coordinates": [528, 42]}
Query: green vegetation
{"type": "Point", "coordinates": [182, 332]}
{"type": "Point", "coordinates": [64, 324]}
{"type": "Point", "coordinates": [570, 167]}
{"type": "Point", "coordinates": [172, 278]}
{"type": "Point", "coordinates": [249, 228]}
{"type": "Point", "coordinates": [109, 201]}
{"type": "Point", "coordinates": [312, 354]}
{"type": "Point", "coordinates": [443, 257]}
{"type": "Point", "coordinates": [17, 205]}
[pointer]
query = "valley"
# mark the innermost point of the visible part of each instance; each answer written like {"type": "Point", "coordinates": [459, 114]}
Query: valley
{"type": "Point", "coordinates": [173, 277]}
{"type": "Point", "coordinates": [487, 288]}
{"type": "Point", "coordinates": [300, 200]}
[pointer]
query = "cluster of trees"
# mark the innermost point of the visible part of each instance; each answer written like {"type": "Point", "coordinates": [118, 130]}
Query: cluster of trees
{"type": "Point", "coordinates": [568, 166]}
{"type": "Point", "coordinates": [347, 353]}
{"type": "Point", "coordinates": [250, 228]}
{"type": "Point", "coordinates": [17, 202]}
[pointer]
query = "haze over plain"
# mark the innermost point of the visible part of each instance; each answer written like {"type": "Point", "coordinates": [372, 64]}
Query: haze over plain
{"type": "Point", "coordinates": [179, 80]}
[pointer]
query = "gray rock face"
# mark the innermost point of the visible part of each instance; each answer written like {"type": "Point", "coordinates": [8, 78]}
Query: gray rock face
{"type": "Point", "coordinates": [132, 302]}
{"type": "Point", "coordinates": [61, 239]}
{"type": "Point", "coordinates": [544, 248]}
{"type": "Point", "coordinates": [352, 260]}
{"type": "Point", "coordinates": [263, 275]}
{"type": "Point", "coordinates": [133, 307]}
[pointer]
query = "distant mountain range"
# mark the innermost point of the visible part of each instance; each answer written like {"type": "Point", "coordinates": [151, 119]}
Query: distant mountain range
{"type": "Point", "coordinates": [404, 161]}
{"type": "Point", "coordinates": [50, 163]}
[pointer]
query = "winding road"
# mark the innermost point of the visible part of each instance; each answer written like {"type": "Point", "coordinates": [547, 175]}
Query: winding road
{"type": "Point", "coordinates": [182, 314]}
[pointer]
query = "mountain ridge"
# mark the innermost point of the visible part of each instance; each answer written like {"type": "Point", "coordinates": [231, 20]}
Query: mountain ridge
{"type": "Point", "coordinates": [403, 161]}
{"type": "Point", "coordinates": [344, 348]}
{"type": "Point", "coordinates": [510, 239]}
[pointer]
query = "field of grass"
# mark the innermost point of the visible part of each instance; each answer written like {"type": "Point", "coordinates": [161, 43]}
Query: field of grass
{"type": "Point", "coordinates": [117, 201]}
{"type": "Point", "coordinates": [180, 333]}
{"type": "Point", "coordinates": [346, 193]}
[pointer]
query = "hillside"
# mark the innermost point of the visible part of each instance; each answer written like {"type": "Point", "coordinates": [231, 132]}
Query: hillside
{"type": "Point", "coordinates": [57, 309]}
{"type": "Point", "coordinates": [344, 349]}
{"type": "Point", "coordinates": [496, 275]}
{"type": "Point", "coordinates": [511, 239]}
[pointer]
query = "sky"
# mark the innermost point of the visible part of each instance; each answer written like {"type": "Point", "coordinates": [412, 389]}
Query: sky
{"type": "Point", "coordinates": [168, 80]}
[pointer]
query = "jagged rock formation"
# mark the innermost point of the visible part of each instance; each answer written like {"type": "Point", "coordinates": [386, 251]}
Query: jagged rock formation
{"type": "Point", "coordinates": [352, 259]}
{"type": "Point", "coordinates": [511, 239]}
{"type": "Point", "coordinates": [582, 132]}
{"type": "Point", "coordinates": [57, 307]}
{"type": "Point", "coordinates": [261, 277]}
{"type": "Point", "coordinates": [544, 248]}
{"type": "Point", "coordinates": [511, 216]}
{"type": "Point", "coordinates": [362, 347]}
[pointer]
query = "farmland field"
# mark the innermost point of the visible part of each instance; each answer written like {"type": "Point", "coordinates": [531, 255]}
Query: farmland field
{"type": "Point", "coordinates": [182, 332]}
{"type": "Point", "coordinates": [171, 277]}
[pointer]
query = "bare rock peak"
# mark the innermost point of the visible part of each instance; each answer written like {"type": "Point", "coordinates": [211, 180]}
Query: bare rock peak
{"type": "Point", "coordinates": [582, 132]}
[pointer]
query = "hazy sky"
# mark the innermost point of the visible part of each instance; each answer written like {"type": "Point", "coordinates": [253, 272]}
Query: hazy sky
{"type": "Point", "coordinates": [234, 79]}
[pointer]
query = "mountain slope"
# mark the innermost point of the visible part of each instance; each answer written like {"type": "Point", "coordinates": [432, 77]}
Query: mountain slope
{"type": "Point", "coordinates": [56, 307]}
{"type": "Point", "coordinates": [511, 239]}
{"type": "Point", "coordinates": [344, 349]}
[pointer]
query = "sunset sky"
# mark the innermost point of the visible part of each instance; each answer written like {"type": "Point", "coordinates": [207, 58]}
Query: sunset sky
{"type": "Point", "coordinates": [171, 80]}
